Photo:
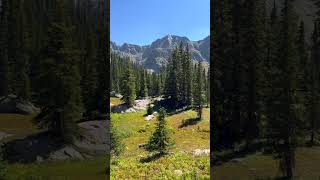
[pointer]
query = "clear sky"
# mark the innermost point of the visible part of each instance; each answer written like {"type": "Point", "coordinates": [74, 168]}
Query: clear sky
{"type": "Point", "coordinates": [143, 21]}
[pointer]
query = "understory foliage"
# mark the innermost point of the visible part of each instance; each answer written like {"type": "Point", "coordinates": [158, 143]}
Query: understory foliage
{"type": "Point", "coordinates": [117, 146]}
{"type": "Point", "coordinates": [265, 82]}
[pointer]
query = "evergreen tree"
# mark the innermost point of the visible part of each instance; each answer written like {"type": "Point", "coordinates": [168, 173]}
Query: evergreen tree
{"type": "Point", "coordinates": [160, 140]}
{"type": "Point", "coordinates": [171, 82]}
{"type": "Point", "coordinates": [199, 90]}
{"type": "Point", "coordinates": [4, 62]}
{"type": "Point", "coordinates": [128, 85]}
{"type": "Point", "coordinates": [61, 92]}
{"type": "Point", "coordinates": [89, 77]}
{"type": "Point", "coordinates": [286, 123]}
{"type": "Point", "coordinates": [143, 84]}
{"type": "Point", "coordinates": [188, 76]}
{"type": "Point", "coordinates": [314, 86]}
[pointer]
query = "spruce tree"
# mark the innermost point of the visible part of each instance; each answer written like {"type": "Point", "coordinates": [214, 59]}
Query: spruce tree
{"type": "Point", "coordinates": [199, 90]}
{"type": "Point", "coordinates": [128, 85]}
{"type": "Point", "coordinates": [160, 140]}
{"type": "Point", "coordinates": [188, 76]}
{"type": "Point", "coordinates": [4, 62]}
{"type": "Point", "coordinates": [286, 123]}
{"type": "Point", "coordinates": [143, 84]}
{"type": "Point", "coordinates": [314, 87]}
{"type": "Point", "coordinates": [61, 92]}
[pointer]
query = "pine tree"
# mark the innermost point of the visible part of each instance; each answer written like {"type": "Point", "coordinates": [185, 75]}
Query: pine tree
{"type": "Point", "coordinates": [4, 62]}
{"type": "Point", "coordinates": [143, 84]}
{"type": "Point", "coordinates": [89, 77]}
{"type": "Point", "coordinates": [160, 140]}
{"type": "Point", "coordinates": [128, 85]}
{"type": "Point", "coordinates": [314, 88]}
{"type": "Point", "coordinates": [199, 90]}
{"type": "Point", "coordinates": [188, 76]}
{"type": "Point", "coordinates": [61, 92]}
{"type": "Point", "coordinates": [286, 124]}
{"type": "Point", "coordinates": [171, 82]}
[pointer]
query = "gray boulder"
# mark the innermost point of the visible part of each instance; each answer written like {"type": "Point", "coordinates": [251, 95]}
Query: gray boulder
{"type": "Point", "coordinates": [12, 104]}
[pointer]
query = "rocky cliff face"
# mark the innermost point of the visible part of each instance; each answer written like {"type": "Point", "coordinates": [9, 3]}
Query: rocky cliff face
{"type": "Point", "coordinates": [153, 56]}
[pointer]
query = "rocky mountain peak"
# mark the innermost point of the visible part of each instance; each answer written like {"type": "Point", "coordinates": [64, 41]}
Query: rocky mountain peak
{"type": "Point", "coordinates": [155, 55]}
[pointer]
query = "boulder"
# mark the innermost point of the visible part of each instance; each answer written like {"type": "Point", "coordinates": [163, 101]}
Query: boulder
{"type": "Point", "coordinates": [4, 135]}
{"type": "Point", "coordinates": [201, 152]}
{"type": "Point", "coordinates": [236, 160]}
{"type": "Point", "coordinates": [114, 94]}
{"type": "Point", "coordinates": [13, 104]}
{"type": "Point", "coordinates": [65, 153]}
{"type": "Point", "coordinates": [149, 117]}
{"type": "Point", "coordinates": [44, 146]}
{"type": "Point", "coordinates": [178, 172]}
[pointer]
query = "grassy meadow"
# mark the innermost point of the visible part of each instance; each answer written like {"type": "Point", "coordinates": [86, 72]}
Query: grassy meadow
{"type": "Point", "coordinates": [136, 130]}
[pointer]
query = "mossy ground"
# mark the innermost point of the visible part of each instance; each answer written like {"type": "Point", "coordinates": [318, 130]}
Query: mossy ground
{"type": "Point", "coordinates": [137, 130]}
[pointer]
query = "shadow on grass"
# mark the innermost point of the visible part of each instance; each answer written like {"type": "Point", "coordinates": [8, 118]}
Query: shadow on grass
{"type": "Point", "coordinates": [227, 155]}
{"type": "Point", "coordinates": [29, 149]}
{"type": "Point", "coordinates": [274, 178]}
{"type": "Point", "coordinates": [188, 122]}
{"type": "Point", "coordinates": [152, 157]}
{"type": "Point", "coordinates": [168, 105]}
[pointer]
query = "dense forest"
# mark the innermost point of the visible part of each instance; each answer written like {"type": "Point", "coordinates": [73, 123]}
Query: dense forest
{"type": "Point", "coordinates": [54, 54]}
{"type": "Point", "coordinates": [182, 82]}
{"type": "Point", "coordinates": [266, 81]}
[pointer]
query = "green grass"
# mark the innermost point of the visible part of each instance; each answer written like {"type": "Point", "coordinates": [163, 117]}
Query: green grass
{"type": "Point", "coordinates": [68, 169]}
{"type": "Point", "coordinates": [163, 168]}
{"type": "Point", "coordinates": [137, 131]}
{"type": "Point", "coordinates": [19, 126]}
{"type": "Point", "coordinates": [115, 101]}
{"type": "Point", "coordinates": [263, 166]}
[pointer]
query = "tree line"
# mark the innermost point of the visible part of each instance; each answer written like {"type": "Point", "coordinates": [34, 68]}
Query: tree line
{"type": "Point", "coordinates": [266, 79]}
{"type": "Point", "coordinates": [54, 54]}
{"type": "Point", "coordinates": [181, 81]}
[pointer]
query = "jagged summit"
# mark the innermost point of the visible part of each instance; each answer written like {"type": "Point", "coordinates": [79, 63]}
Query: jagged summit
{"type": "Point", "coordinates": [153, 56]}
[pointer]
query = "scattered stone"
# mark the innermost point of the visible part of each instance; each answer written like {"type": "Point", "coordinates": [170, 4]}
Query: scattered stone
{"type": "Point", "coordinates": [4, 135]}
{"type": "Point", "coordinates": [114, 94]}
{"type": "Point", "coordinates": [236, 160]}
{"type": "Point", "coordinates": [178, 172]}
{"type": "Point", "coordinates": [39, 159]}
{"type": "Point", "coordinates": [140, 105]}
{"type": "Point", "coordinates": [149, 117]}
{"type": "Point", "coordinates": [130, 110]}
{"type": "Point", "coordinates": [65, 153]}
{"type": "Point", "coordinates": [201, 152]}
{"type": "Point", "coordinates": [12, 104]}
{"type": "Point", "coordinates": [142, 145]}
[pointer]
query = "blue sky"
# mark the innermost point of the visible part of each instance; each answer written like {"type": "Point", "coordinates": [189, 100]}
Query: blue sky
{"type": "Point", "coordinates": [143, 21]}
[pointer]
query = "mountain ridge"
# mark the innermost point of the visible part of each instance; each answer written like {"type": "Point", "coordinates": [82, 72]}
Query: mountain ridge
{"type": "Point", "coordinates": [154, 55]}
